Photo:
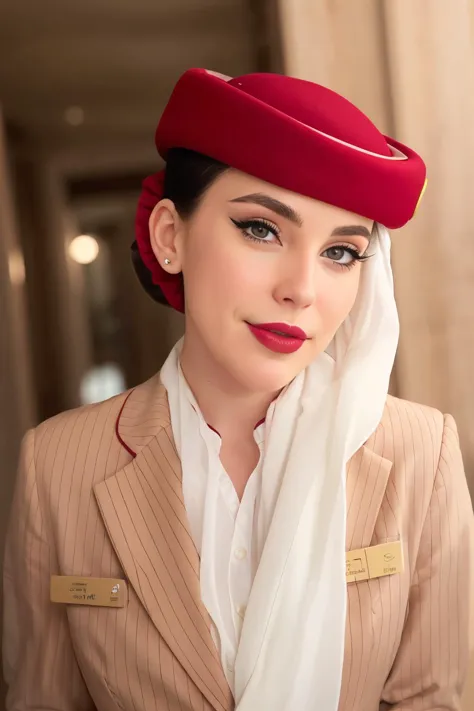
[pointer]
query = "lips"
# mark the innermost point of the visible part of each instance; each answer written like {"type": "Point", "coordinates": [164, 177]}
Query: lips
{"type": "Point", "coordinates": [278, 337]}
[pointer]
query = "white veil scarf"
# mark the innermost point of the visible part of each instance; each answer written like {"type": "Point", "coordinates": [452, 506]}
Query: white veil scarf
{"type": "Point", "coordinates": [291, 649]}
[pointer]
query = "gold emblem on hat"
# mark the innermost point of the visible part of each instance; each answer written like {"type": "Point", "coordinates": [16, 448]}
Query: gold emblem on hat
{"type": "Point", "coordinates": [421, 196]}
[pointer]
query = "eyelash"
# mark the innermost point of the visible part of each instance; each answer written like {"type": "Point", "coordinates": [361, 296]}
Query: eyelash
{"type": "Point", "coordinates": [244, 225]}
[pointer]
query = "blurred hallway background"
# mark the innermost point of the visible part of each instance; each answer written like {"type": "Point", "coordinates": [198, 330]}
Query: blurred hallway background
{"type": "Point", "coordinates": [82, 86]}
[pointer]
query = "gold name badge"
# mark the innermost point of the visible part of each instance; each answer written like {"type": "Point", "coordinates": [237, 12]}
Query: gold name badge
{"type": "Point", "coordinates": [374, 562]}
{"type": "Point", "coordinates": [76, 590]}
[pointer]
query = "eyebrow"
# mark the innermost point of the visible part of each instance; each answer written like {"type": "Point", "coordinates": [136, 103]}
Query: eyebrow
{"type": "Point", "coordinates": [284, 210]}
{"type": "Point", "coordinates": [351, 230]}
{"type": "Point", "coordinates": [280, 208]}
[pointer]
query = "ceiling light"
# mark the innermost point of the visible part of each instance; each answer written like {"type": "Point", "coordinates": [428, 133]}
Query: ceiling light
{"type": "Point", "coordinates": [84, 249]}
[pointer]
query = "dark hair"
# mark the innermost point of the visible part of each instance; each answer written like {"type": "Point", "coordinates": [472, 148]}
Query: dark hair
{"type": "Point", "coordinates": [187, 177]}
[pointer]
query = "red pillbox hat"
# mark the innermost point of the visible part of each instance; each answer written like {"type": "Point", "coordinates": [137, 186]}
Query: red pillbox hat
{"type": "Point", "coordinates": [289, 132]}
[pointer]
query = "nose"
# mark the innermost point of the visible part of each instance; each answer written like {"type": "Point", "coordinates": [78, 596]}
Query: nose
{"type": "Point", "coordinates": [296, 285]}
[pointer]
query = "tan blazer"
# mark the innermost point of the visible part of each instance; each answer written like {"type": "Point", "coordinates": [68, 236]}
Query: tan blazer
{"type": "Point", "coordinates": [99, 494]}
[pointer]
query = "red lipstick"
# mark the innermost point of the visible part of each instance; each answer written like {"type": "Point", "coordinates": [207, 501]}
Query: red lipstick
{"type": "Point", "coordinates": [278, 337]}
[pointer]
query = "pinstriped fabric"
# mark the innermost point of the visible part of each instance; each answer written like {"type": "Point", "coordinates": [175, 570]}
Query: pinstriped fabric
{"type": "Point", "coordinates": [90, 657]}
{"type": "Point", "coordinates": [40, 661]}
{"type": "Point", "coordinates": [146, 521]}
{"type": "Point", "coordinates": [406, 637]}
{"type": "Point", "coordinates": [86, 505]}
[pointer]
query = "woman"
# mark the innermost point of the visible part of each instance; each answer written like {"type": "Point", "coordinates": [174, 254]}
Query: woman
{"type": "Point", "coordinates": [258, 526]}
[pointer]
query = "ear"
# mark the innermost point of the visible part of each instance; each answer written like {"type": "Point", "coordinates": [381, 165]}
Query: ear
{"type": "Point", "coordinates": [166, 236]}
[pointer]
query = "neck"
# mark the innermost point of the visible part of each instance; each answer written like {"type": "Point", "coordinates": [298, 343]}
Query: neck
{"type": "Point", "coordinates": [225, 404]}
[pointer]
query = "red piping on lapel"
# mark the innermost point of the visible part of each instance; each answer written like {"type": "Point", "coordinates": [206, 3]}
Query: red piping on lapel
{"type": "Point", "coordinates": [117, 423]}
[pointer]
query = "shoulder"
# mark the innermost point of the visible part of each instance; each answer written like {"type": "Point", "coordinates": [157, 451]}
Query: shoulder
{"type": "Point", "coordinates": [94, 441]}
{"type": "Point", "coordinates": [406, 424]}
{"type": "Point", "coordinates": [410, 422]}
{"type": "Point", "coordinates": [70, 422]}
{"type": "Point", "coordinates": [66, 457]}
{"type": "Point", "coordinates": [420, 448]}
{"type": "Point", "coordinates": [79, 441]}
{"type": "Point", "coordinates": [61, 460]}
{"type": "Point", "coordinates": [416, 439]}
{"type": "Point", "coordinates": [121, 425]}
{"type": "Point", "coordinates": [80, 426]}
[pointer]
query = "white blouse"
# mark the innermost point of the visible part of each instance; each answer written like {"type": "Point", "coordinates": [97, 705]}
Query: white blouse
{"type": "Point", "coordinates": [224, 531]}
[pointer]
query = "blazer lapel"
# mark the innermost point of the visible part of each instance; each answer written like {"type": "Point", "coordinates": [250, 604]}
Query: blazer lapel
{"type": "Point", "coordinates": [367, 479]}
{"type": "Point", "coordinates": [143, 509]}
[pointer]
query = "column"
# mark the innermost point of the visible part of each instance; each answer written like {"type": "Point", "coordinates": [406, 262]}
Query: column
{"type": "Point", "coordinates": [17, 406]}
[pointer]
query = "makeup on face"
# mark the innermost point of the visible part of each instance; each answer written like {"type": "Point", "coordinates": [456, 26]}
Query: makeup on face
{"type": "Point", "coordinates": [278, 337]}
{"type": "Point", "coordinates": [262, 231]}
